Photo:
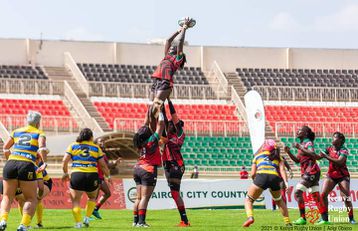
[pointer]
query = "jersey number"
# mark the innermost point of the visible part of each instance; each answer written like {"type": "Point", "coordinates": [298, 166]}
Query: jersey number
{"type": "Point", "coordinates": [85, 152]}
{"type": "Point", "coordinates": [25, 140]}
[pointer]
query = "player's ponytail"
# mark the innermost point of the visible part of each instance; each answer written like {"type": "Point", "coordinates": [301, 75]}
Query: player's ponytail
{"type": "Point", "coordinates": [86, 134]}
{"type": "Point", "coordinates": [275, 154]}
{"type": "Point", "coordinates": [310, 134]}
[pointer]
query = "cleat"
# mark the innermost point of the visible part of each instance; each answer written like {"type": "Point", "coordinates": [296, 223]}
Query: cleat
{"type": "Point", "coordinates": [96, 214]}
{"type": "Point", "coordinates": [183, 224]}
{"type": "Point", "coordinates": [86, 222]}
{"type": "Point", "coordinates": [322, 222]}
{"type": "Point", "coordinates": [3, 225]}
{"type": "Point", "coordinates": [352, 221]}
{"type": "Point", "coordinates": [22, 228]}
{"type": "Point", "coordinates": [289, 225]}
{"type": "Point", "coordinates": [144, 225]}
{"type": "Point", "coordinates": [300, 221]}
{"type": "Point", "coordinates": [78, 225]}
{"type": "Point", "coordinates": [134, 224]}
{"type": "Point", "coordinates": [39, 226]}
{"type": "Point", "coordinates": [248, 222]}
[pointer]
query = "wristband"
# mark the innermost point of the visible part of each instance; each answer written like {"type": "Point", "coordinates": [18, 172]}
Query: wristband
{"type": "Point", "coordinates": [65, 174]}
{"type": "Point", "coordinates": [6, 150]}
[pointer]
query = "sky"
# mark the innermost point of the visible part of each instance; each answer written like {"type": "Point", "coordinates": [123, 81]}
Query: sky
{"type": "Point", "coordinates": [238, 23]}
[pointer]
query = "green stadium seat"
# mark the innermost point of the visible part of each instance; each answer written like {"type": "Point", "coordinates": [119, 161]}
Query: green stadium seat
{"type": "Point", "coordinates": [204, 162]}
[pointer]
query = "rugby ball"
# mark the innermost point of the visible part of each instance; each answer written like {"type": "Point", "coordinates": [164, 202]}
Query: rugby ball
{"type": "Point", "coordinates": [192, 22]}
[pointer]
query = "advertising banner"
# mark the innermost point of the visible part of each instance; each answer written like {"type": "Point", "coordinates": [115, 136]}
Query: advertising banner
{"type": "Point", "coordinates": [198, 193]}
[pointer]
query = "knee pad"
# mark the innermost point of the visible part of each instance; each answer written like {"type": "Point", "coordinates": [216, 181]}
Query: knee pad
{"type": "Point", "coordinates": [277, 199]}
{"type": "Point", "coordinates": [314, 189]}
{"type": "Point", "coordinates": [250, 198]}
{"type": "Point", "coordinates": [301, 187]}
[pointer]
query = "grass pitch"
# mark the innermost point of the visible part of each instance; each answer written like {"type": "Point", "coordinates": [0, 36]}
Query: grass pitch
{"type": "Point", "coordinates": [167, 219]}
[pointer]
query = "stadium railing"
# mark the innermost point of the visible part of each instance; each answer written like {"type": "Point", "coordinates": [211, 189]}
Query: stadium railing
{"type": "Point", "coordinates": [235, 98]}
{"type": "Point", "coordinates": [54, 124]}
{"type": "Point", "coordinates": [217, 73]}
{"type": "Point", "coordinates": [194, 128]}
{"type": "Point", "coordinates": [307, 93]}
{"type": "Point", "coordinates": [322, 129]}
{"type": "Point", "coordinates": [76, 72]}
{"type": "Point", "coordinates": [26, 86]}
{"type": "Point", "coordinates": [81, 110]}
{"type": "Point", "coordinates": [142, 90]}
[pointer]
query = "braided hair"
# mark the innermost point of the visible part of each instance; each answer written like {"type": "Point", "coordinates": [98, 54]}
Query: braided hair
{"type": "Point", "coordinates": [309, 133]}
{"type": "Point", "coordinates": [340, 136]}
{"type": "Point", "coordinates": [141, 136]}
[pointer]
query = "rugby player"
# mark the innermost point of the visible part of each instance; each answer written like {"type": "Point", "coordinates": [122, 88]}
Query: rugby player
{"type": "Point", "coordinates": [20, 168]}
{"type": "Point", "coordinates": [337, 173]}
{"type": "Point", "coordinates": [265, 169]}
{"type": "Point", "coordinates": [85, 156]}
{"type": "Point", "coordinates": [145, 171]}
{"type": "Point", "coordinates": [310, 171]}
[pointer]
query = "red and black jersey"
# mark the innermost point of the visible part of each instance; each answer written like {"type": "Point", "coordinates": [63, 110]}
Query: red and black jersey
{"type": "Point", "coordinates": [335, 171]}
{"type": "Point", "coordinates": [244, 175]}
{"type": "Point", "coordinates": [100, 173]}
{"type": "Point", "coordinates": [308, 164]}
{"type": "Point", "coordinates": [173, 146]}
{"type": "Point", "coordinates": [150, 153]}
{"type": "Point", "coordinates": [167, 67]}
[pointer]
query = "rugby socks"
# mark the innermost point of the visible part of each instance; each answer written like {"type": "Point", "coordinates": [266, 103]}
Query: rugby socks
{"type": "Point", "coordinates": [90, 207]}
{"type": "Point", "coordinates": [181, 208]}
{"type": "Point", "coordinates": [286, 220]}
{"type": "Point", "coordinates": [26, 219]}
{"type": "Point", "coordinates": [98, 206]}
{"type": "Point", "coordinates": [316, 197]}
{"type": "Point", "coordinates": [39, 212]}
{"type": "Point", "coordinates": [135, 216]}
{"type": "Point", "coordinates": [4, 216]}
{"type": "Point", "coordinates": [141, 216]}
{"type": "Point", "coordinates": [350, 214]}
{"type": "Point", "coordinates": [323, 210]}
{"type": "Point", "coordinates": [20, 208]}
{"type": "Point", "coordinates": [182, 212]}
{"type": "Point", "coordinates": [249, 213]}
{"type": "Point", "coordinates": [301, 207]}
{"type": "Point", "coordinates": [76, 211]}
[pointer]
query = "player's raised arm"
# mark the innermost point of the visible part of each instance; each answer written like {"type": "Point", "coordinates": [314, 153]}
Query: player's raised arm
{"type": "Point", "coordinates": [169, 41]}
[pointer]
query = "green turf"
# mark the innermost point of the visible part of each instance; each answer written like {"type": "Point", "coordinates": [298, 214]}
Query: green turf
{"type": "Point", "coordinates": [167, 219]}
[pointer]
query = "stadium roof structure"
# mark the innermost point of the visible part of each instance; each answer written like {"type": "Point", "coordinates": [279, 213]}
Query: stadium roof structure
{"type": "Point", "coordinates": [119, 144]}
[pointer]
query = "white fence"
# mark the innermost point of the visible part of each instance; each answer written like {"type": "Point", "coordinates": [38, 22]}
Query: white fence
{"type": "Point", "coordinates": [48, 123]}
{"type": "Point", "coordinates": [27, 86]}
{"type": "Point", "coordinates": [322, 129]}
{"type": "Point", "coordinates": [203, 127]}
{"type": "Point", "coordinates": [307, 93]}
{"type": "Point", "coordinates": [142, 90]}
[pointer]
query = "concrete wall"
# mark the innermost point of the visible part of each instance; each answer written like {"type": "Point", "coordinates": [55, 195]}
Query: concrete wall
{"type": "Point", "coordinates": [50, 53]}
{"type": "Point", "coordinates": [13, 51]}
{"type": "Point", "coordinates": [146, 54]}
{"type": "Point", "coordinates": [230, 58]}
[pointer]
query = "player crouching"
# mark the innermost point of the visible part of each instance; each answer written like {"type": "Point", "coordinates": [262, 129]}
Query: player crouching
{"type": "Point", "coordinates": [265, 166]}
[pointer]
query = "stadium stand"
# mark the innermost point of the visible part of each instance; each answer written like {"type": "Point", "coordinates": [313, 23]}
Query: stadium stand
{"type": "Point", "coordinates": [298, 77]}
{"type": "Point", "coordinates": [112, 110]}
{"type": "Point", "coordinates": [21, 72]}
{"type": "Point", "coordinates": [225, 153]}
{"type": "Point", "coordinates": [137, 73]}
{"type": "Point", "coordinates": [328, 116]}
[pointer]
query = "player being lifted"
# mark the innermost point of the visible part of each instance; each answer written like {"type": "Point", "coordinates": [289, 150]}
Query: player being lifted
{"type": "Point", "coordinates": [173, 160]}
{"type": "Point", "coordinates": [310, 171]}
{"type": "Point", "coordinates": [174, 58]}
{"type": "Point", "coordinates": [337, 173]}
{"type": "Point", "coordinates": [266, 166]}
